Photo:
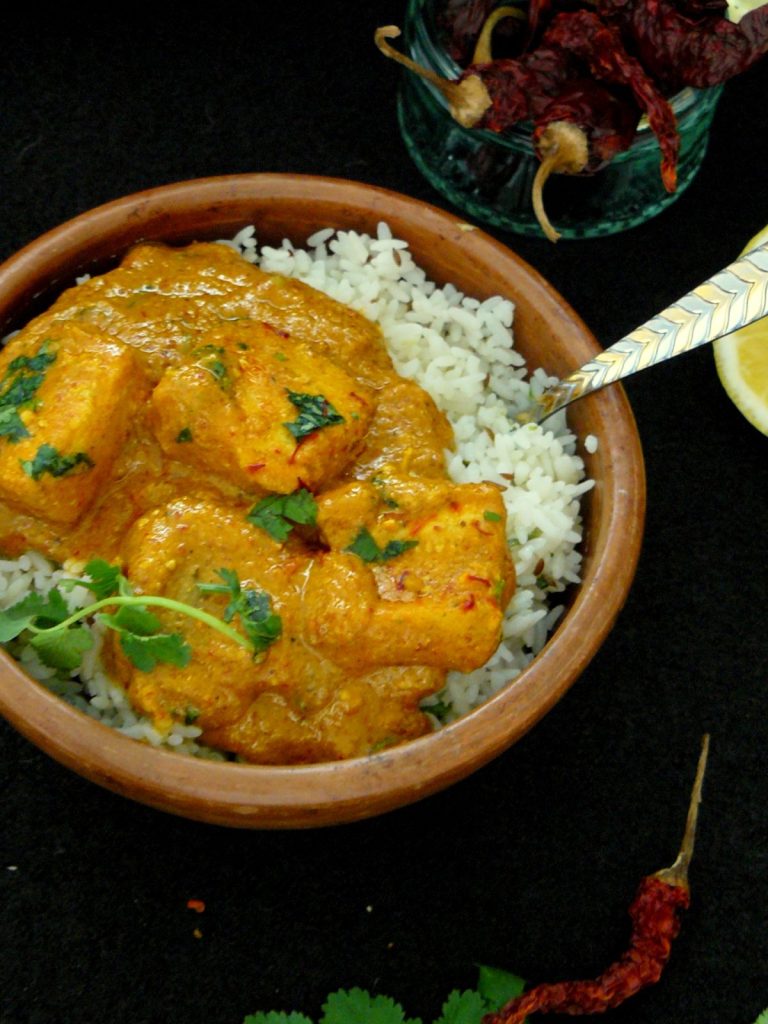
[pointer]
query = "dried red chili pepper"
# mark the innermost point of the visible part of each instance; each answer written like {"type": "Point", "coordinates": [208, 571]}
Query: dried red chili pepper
{"type": "Point", "coordinates": [680, 49]}
{"type": "Point", "coordinates": [579, 132]}
{"type": "Point", "coordinates": [585, 35]}
{"type": "Point", "coordinates": [655, 924]}
{"type": "Point", "coordinates": [497, 95]}
{"type": "Point", "coordinates": [460, 23]}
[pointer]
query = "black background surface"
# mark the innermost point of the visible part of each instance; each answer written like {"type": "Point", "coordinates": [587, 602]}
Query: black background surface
{"type": "Point", "coordinates": [531, 863]}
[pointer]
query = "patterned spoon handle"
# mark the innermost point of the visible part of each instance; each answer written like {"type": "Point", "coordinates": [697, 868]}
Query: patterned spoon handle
{"type": "Point", "coordinates": [732, 298]}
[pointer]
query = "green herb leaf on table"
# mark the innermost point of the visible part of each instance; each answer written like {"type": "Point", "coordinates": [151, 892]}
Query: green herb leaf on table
{"type": "Point", "coordinates": [49, 460]}
{"type": "Point", "coordinates": [278, 513]}
{"type": "Point", "coordinates": [365, 547]}
{"type": "Point", "coordinates": [357, 1005]}
{"type": "Point", "coordinates": [495, 987]}
{"type": "Point", "coordinates": [276, 1017]}
{"type": "Point", "coordinates": [467, 1007]}
{"type": "Point", "coordinates": [763, 1018]}
{"type": "Point", "coordinates": [498, 986]}
{"type": "Point", "coordinates": [315, 411]}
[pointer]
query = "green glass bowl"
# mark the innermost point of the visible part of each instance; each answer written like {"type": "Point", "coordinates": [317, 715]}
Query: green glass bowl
{"type": "Point", "coordinates": [489, 176]}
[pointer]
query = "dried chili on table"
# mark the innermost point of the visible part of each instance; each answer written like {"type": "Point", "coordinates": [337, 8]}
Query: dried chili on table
{"type": "Point", "coordinates": [580, 131]}
{"type": "Point", "coordinates": [680, 48]}
{"type": "Point", "coordinates": [655, 924]}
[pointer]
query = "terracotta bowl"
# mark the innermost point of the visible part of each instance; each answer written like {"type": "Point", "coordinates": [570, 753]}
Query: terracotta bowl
{"type": "Point", "coordinates": [547, 332]}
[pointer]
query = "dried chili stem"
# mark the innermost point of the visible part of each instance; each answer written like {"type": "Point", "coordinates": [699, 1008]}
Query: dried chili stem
{"type": "Point", "coordinates": [482, 54]}
{"type": "Point", "coordinates": [467, 99]}
{"type": "Point", "coordinates": [564, 150]}
{"type": "Point", "coordinates": [677, 873]}
{"type": "Point", "coordinates": [655, 924]}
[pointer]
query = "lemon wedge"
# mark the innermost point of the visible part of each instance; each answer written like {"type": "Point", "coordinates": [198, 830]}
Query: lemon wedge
{"type": "Point", "coordinates": [741, 360]}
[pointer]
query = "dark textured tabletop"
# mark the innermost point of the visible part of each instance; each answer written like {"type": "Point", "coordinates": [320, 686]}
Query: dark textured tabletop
{"type": "Point", "coordinates": [530, 863]}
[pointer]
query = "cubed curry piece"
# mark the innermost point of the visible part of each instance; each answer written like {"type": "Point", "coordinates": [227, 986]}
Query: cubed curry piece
{"type": "Point", "coordinates": [407, 435]}
{"type": "Point", "coordinates": [262, 410]}
{"type": "Point", "coordinates": [419, 572]}
{"type": "Point", "coordinates": [66, 401]}
{"type": "Point", "coordinates": [289, 703]}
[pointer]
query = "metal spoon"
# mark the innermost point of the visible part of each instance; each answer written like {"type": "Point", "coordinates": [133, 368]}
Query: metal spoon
{"type": "Point", "coordinates": [732, 298]}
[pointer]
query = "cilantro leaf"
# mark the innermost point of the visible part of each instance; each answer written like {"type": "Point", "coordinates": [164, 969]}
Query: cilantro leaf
{"type": "Point", "coordinates": [261, 625]}
{"type": "Point", "coordinates": [763, 1018]}
{"type": "Point", "coordinates": [497, 986]}
{"type": "Point", "coordinates": [184, 436]}
{"type": "Point", "coordinates": [315, 411]}
{"type": "Point", "coordinates": [14, 620]}
{"type": "Point", "coordinates": [277, 513]}
{"type": "Point", "coordinates": [133, 619]}
{"type": "Point", "coordinates": [146, 651]}
{"type": "Point", "coordinates": [49, 460]}
{"type": "Point", "coordinates": [491, 517]}
{"type": "Point", "coordinates": [11, 425]}
{"type": "Point", "coordinates": [357, 1006]}
{"type": "Point", "coordinates": [103, 578]}
{"type": "Point", "coordinates": [463, 1008]}
{"type": "Point", "coordinates": [276, 1017]}
{"type": "Point", "coordinates": [365, 547]}
{"type": "Point", "coordinates": [63, 648]}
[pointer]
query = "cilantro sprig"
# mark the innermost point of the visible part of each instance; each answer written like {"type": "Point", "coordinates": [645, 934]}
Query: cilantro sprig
{"type": "Point", "coordinates": [253, 607]}
{"type": "Point", "coordinates": [61, 640]}
{"type": "Point", "coordinates": [495, 987]}
{"type": "Point", "coordinates": [365, 547]}
{"type": "Point", "coordinates": [277, 514]}
{"type": "Point", "coordinates": [315, 411]}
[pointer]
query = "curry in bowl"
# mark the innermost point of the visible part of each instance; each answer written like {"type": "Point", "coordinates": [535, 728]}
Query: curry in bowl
{"type": "Point", "coordinates": [319, 538]}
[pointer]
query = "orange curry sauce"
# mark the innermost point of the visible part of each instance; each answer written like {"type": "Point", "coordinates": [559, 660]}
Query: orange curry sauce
{"type": "Point", "coordinates": [165, 397]}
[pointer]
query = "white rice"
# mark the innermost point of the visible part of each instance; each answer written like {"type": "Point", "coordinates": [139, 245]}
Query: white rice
{"type": "Point", "coordinates": [460, 350]}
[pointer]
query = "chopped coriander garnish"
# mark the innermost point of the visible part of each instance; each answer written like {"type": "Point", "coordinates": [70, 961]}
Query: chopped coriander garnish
{"type": "Point", "coordinates": [281, 357]}
{"type": "Point", "coordinates": [494, 989]}
{"type": "Point", "coordinates": [254, 608]}
{"type": "Point", "coordinates": [191, 715]}
{"type": "Point", "coordinates": [49, 460]}
{"type": "Point", "coordinates": [212, 360]}
{"type": "Point", "coordinates": [184, 436]}
{"type": "Point", "coordinates": [278, 513]}
{"type": "Point", "coordinates": [315, 411]}
{"type": "Point", "coordinates": [491, 517]}
{"type": "Point", "coordinates": [18, 389]}
{"type": "Point", "coordinates": [365, 547]}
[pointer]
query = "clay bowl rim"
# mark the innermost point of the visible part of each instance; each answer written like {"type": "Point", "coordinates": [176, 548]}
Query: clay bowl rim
{"type": "Point", "coordinates": [301, 796]}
